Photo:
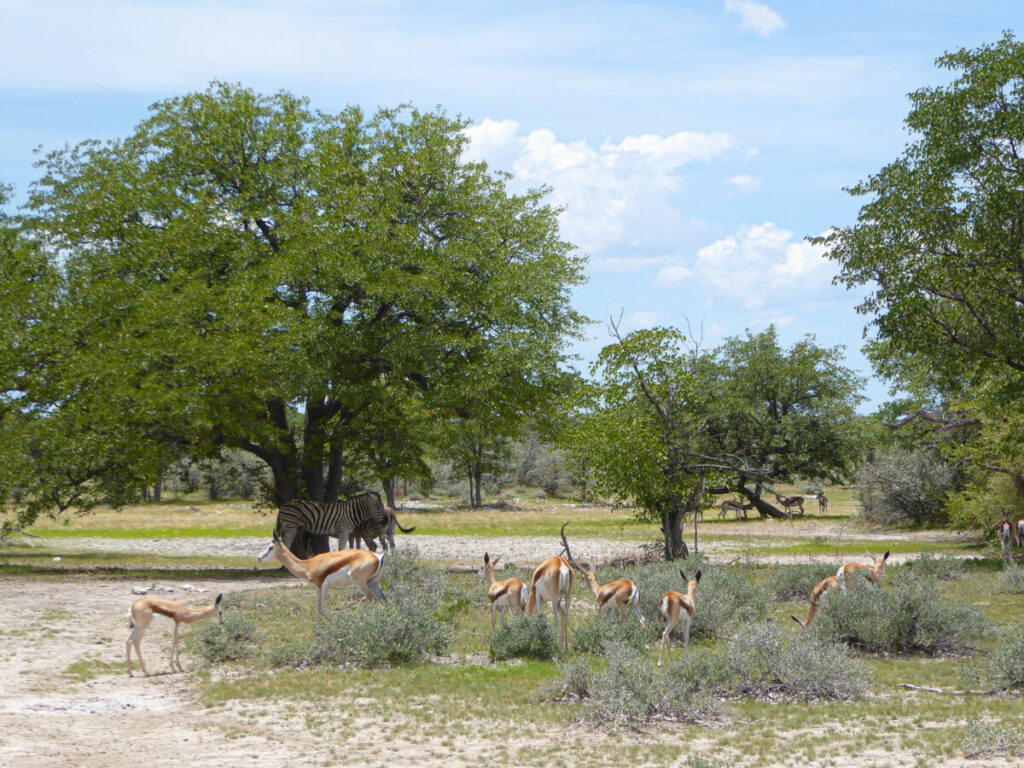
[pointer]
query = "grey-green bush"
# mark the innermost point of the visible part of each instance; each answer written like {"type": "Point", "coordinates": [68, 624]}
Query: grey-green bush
{"type": "Point", "coordinates": [1003, 668]}
{"type": "Point", "coordinates": [906, 616]}
{"type": "Point", "coordinates": [1010, 581]}
{"type": "Point", "coordinates": [724, 599]}
{"type": "Point", "coordinates": [762, 662]}
{"type": "Point", "coordinates": [530, 638]}
{"type": "Point", "coordinates": [234, 640]}
{"type": "Point", "coordinates": [592, 635]}
{"type": "Point", "coordinates": [795, 581]}
{"type": "Point", "coordinates": [927, 566]}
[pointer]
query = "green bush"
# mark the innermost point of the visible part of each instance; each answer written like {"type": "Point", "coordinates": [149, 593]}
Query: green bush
{"type": "Point", "coordinates": [984, 739]}
{"type": "Point", "coordinates": [795, 582]}
{"type": "Point", "coordinates": [593, 635]}
{"type": "Point", "coordinates": [927, 566]}
{"type": "Point", "coordinates": [234, 640]}
{"type": "Point", "coordinates": [529, 638]}
{"type": "Point", "coordinates": [1010, 581]}
{"type": "Point", "coordinates": [763, 662]}
{"type": "Point", "coordinates": [625, 688]}
{"type": "Point", "coordinates": [1003, 668]}
{"type": "Point", "coordinates": [724, 599]}
{"type": "Point", "coordinates": [908, 616]}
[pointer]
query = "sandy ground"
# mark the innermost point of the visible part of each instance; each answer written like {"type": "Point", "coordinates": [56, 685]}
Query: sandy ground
{"type": "Point", "coordinates": [49, 719]}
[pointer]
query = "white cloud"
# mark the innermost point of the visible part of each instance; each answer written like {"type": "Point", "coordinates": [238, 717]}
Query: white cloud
{"type": "Point", "coordinates": [743, 183]}
{"type": "Point", "coordinates": [673, 275]}
{"type": "Point", "coordinates": [644, 319]}
{"type": "Point", "coordinates": [756, 17]}
{"type": "Point", "coordinates": [617, 194]}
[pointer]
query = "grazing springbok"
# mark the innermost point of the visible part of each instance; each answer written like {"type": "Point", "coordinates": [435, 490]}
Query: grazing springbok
{"type": "Point", "coordinates": [510, 593]}
{"type": "Point", "coordinates": [788, 502]}
{"type": "Point", "coordinates": [1020, 533]}
{"type": "Point", "coordinates": [822, 504]}
{"type": "Point", "coordinates": [676, 605]}
{"type": "Point", "coordinates": [872, 574]}
{"type": "Point", "coordinates": [619, 593]}
{"type": "Point", "coordinates": [1004, 534]}
{"type": "Point", "coordinates": [553, 582]}
{"type": "Point", "coordinates": [141, 612]}
{"type": "Point", "coordinates": [816, 593]}
{"type": "Point", "coordinates": [349, 567]}
{"type": "Point", "coordinates": [735, 506]}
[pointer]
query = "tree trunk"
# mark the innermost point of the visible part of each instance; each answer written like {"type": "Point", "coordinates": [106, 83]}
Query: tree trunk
{"type": "Point", "coordinates": [672, 528]}
{"type": "Point", "coordinates": [158, 488]}
{"type": "Point", "coordinates": [389, 491]}
{"type": "Point", "coordinates": [476, 477]}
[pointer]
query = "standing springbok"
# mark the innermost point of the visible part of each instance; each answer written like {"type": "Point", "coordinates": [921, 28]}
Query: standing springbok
{"type": "Point", "coordinates": [788, 502]}
{"type": "Point", "coordinates": [872, 574]}
{"type": "Point", "coordinates": [140, 614]}
{"type": "Point", "coordinates": [349, 567]}
{"type": "Point", "coordinates": [822, 504]}
{"type": "Point", "coordinates": [619, 593]}
{"type": "Point", "coordinates": [1020, 533]}
{"type": "Point", "coordinates": [816, 593]}
{"type": "Point", "coordinates": [510, 593]}
{"type": "Point", "coordinates": [553, 582]}
{"type": "Point", "coordinates": [735, 506]}
{"type": "Point", "coordinates": [1004, 534]}
{"type": "Point", "coordinates": [676, 605]}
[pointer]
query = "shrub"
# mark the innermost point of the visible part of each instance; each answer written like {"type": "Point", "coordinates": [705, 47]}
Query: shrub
{"type": "Point", "coordinates": [400, 631]}
{"type": "Point", "coordinates": [1010, 581]}
{"type": "Point", "coordinates": [908, 616]}
{"type": "Point", "coordinates": [1003, 668]}
{"type": "Point", "coordinates": [521, 637]}
{"type": "Point", "coordinates": [904, 485]}
{"type": "Point", "coordinates": [723, 598]}
{"type": "Point", "coordinates": [928, 566]}
{"type": "Point", "coordinates": [627, 689]}
{"type": "Point", "coordinates": [233, 640]}
{"type": "Point", "coordinates": [985, 739]}
{"type": "Point", "coordinates": [593, 636]}
{"type": "Point", "coordinates": [795, 582]}
{"type": "Point", "coordinates": [763, 662]}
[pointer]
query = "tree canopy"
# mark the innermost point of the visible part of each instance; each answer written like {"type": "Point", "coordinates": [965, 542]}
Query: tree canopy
{"type": "Point", "coordinates": [243, 271]}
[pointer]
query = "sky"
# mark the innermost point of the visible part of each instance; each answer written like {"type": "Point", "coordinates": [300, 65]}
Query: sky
{"type": "Point", "coordinates": [693, 145]}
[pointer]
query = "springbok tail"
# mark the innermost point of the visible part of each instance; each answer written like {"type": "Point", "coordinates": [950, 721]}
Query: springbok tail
{"type": "Point", "coordinates": [128, 615]}
{"type": "Point", "coordinates": [794, 618]}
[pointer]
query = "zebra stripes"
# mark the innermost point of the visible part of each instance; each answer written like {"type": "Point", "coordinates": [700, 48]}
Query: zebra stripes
{"type": "Point", "coordinates": [364, 512]}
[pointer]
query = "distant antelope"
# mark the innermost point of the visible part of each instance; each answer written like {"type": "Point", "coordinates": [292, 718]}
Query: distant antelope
{"type": "Point", "coordinates": [788, 502]}
{"type": "Point", "coordinates": [816, 593]}
{"type": "Point", "coordinates": [673, 606]}
{"type": "Point", "coordinates": [734, 506]}
{"type": "Point", "coordinates": [1004, 534]}
{"type": "Point", "coordinates": [619, 593]}
{"type": "Point", "coordinates": [349, 567]}
{"type": "Point", "coordinates": [510, 593]}
{"type": "Point", "coordinates": [141, 612]}
{"type": "Point", "coordinates": [822, 504]}
{"type": "Point", "coordinates": [553, 582]}
{"type": "Point", "coordinates": [1020, 533]}
{"type": "Point", "coordinates": [872, 574]}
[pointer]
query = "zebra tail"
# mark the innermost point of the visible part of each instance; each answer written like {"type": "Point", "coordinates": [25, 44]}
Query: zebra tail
{"type": "Point", "coordinates": [404, 530]}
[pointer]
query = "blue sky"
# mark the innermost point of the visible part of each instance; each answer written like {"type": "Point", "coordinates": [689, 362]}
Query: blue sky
{"type": "Point", "coordinates": [694, 145]}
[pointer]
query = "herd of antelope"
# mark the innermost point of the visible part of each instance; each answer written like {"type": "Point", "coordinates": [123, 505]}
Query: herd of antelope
{"type": "Point", "coordinates": [553, 581]}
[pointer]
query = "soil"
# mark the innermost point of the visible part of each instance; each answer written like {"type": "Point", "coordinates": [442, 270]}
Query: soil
{"type": "Point", "coordinates": [51, 719]}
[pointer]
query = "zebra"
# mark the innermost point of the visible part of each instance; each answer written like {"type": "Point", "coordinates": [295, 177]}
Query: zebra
{"type": "Point", "coordinates": [368, 530]}
{"type": "Point", "coordinates": [363, 513]}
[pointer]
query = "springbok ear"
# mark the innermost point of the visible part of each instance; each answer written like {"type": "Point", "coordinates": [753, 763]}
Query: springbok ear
{"type": "Point", "coordinates": [682, 574]}
{"type": "Point", "coordinates": [219, 597]}
{"type": "Point", "coordinates": [487, 558]}
{"type": "Point", "coordinates": [698, 575]}
{"type": "Point", "coordinates": [885, 556]}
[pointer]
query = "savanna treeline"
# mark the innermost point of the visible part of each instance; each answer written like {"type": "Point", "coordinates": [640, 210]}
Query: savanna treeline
{"type": "Point", "coordinates": [342, 299]}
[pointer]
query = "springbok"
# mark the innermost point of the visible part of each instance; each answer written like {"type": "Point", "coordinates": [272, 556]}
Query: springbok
{"type": "Point", "coordinates": [872, 574]}
{"type": "Point", "coordinates": [553, 582]}
{"type": "Point", "coordinates": [510, 593]}
{"type": "Point", "coordinates": [676, 605]}
{"type": "Point", "coordinates": [1004, 534]}
{"type": "Point", "coordinates": [735, 506]}
{"type": "Point", "coordinates": [1020, 533]}
{"type": "Point", "coordinates": [788, 502]}
{"type": "Point", "coordinates": [822, 504]}
{"type": "Point", "coordinates": [816, 593]}
{"type": "Point", "coordinates": [619, 593]}
{"type": "Point", "coordinates": [349, 567]}
{"type": "Point", "coordinates": [140, 614]}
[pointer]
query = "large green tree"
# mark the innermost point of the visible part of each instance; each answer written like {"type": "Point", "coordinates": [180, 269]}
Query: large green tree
{"type": "Point", "coordinates": [940, 246]}
{"type": "Point", "coordinates": [243, 271]}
